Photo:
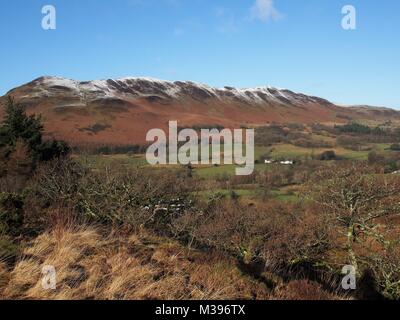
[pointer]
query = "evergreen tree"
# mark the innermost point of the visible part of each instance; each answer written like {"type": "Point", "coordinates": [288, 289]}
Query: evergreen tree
{"type": "Point", "coordinates": [18, 126]}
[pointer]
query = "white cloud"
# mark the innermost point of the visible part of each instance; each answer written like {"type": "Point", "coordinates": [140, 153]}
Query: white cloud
{"type": "Point", "coordinates": [264, 10]}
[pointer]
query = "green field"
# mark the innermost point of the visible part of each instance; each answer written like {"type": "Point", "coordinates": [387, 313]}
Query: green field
{"type": "Point", "coordinates": [276, 152]}
{"type": "Point", "coordinates": [219, 173]}
{"type": "Point", "coordinates": [94, 161]}
{"type": "Point", "coordinates": [291, 152]}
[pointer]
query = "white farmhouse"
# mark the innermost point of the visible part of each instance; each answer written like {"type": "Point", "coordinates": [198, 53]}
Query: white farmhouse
{"type": "Point", "coordinates": [287, 163]}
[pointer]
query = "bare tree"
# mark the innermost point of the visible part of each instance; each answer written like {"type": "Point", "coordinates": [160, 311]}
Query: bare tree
{"type": "Point", "coordinates": [357, 199]}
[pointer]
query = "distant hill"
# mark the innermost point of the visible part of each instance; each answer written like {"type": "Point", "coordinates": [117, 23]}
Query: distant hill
{"type": "Point", "coordinates": [121, 111]}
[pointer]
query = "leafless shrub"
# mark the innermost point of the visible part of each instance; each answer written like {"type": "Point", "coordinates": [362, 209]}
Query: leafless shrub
{"type": "Point", "coordinates": [110, 194]}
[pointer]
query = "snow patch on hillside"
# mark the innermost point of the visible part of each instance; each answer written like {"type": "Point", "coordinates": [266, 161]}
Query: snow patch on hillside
{"type": "Point", "coordinates": [142, 87]}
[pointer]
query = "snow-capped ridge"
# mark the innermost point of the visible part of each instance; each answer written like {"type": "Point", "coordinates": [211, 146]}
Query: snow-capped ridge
{"type": "Point", "coordinates": [137, 87]}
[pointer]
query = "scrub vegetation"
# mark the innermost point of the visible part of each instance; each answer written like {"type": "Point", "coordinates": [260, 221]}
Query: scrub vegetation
{"type": "Point", "coordinates": [116, 228]}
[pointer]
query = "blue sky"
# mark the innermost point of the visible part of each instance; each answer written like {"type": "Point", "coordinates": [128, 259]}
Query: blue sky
{"type": "Point", "coordinates": [299, 45]}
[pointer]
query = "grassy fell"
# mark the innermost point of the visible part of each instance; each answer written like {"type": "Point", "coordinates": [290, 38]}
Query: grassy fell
{"type": "Point", "coordinates": [90, 265]}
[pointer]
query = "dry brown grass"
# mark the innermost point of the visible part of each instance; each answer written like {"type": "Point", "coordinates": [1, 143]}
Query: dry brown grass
{"type": "Point", "coordinates": [303, 290]}
{"type": "Point", "coordinates": [90, 265]}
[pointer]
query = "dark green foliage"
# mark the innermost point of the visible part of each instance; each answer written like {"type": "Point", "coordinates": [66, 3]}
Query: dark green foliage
{"type": "Point", "coordinates": [18, 126]}
{"type": "Point", "coordinates": [123, 149]}
{"type": "Point", "coordinates": [11, 214]}
{"type": "Point", "coordinates": [358, 128]}
{"type": "Point", "coordinates": [395, 147]}
{"type": "Point", "coordinates": [354, 128]}
{"type": "Point", "coordinates": [110, 149]}
{"type": "Point", "coordinates": [234, 195]}
{"type": "Point", "coordinates": [391, 166]}
{"type": "Point", "coordinates": [327, 156]}
{"type": "Point", "coordinates": [189, 170]}
{"type": "Point", "coordinates": [53, 149]}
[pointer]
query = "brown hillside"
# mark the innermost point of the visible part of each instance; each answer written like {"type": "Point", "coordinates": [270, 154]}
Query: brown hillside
{"type": "Point", "coordinates": [122, 111]}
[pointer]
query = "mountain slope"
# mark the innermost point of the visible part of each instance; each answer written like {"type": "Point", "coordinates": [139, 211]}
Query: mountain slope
{"type": "Point", "coordinates": [121, 111]}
